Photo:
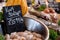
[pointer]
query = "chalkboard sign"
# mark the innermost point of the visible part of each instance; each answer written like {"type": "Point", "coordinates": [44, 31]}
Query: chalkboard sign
{"type": "Point", "coordinates": [13, 19]}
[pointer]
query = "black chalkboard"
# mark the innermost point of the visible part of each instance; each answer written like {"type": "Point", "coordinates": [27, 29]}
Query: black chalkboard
{"type": "Point", "coordinates": [13, 19]}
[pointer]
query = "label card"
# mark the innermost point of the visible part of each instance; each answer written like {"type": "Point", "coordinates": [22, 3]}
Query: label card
{"type": "Point", "coordinates": [13, 18]}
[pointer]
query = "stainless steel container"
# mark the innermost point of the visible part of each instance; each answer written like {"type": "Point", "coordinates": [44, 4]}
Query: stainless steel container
{"type": "Point", "coordinates": [37, 26]}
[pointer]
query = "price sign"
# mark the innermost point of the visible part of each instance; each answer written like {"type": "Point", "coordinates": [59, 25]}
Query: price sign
{"type": "Point", "coordinates": [13, 18]}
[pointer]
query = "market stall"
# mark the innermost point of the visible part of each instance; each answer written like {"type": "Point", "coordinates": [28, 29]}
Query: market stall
{"type": "Point", "coordinates": [29, 20]}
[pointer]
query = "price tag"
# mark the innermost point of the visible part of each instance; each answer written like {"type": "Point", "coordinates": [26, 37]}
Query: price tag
{"type": "Point", "coordinates": [13, 18]}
